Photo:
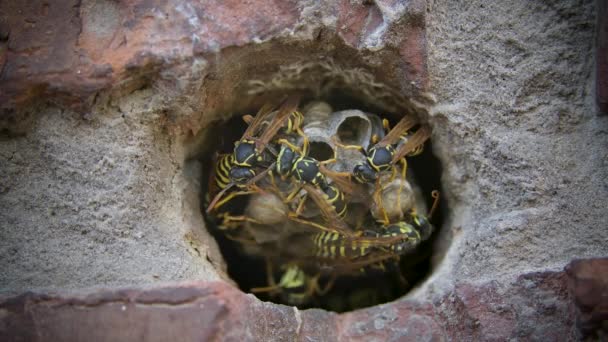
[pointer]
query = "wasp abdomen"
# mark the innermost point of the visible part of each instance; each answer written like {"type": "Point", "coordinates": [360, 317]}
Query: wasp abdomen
{"type": "Point", "coordinates": [222, 170]}
{"type": "Point", "coordinates": [336, 198]}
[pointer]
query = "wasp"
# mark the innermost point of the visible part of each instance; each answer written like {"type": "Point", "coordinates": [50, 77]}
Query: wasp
{"type": "Point", "coordinates": [295, 286]}
{"type": "Point", "coordinates": [250, 151]}
{"type": "Point", "coordinates": [336, 240]}
{"type": "Point", "coordinates": [332, 206]}
{"type": "Point", "coordinates": [294, 162]}
{"type": "Point", "coordinates": [219, 182]}
{"type": "Point", "coordinates": [390, 150]}
{"type": "Point", "coordinates": [394, 239]}
{"type": "Point", "coordinates": [295, 121]}
{"type": "Point", "coordinates": [344, 250]}
{"type": "Point", "coordinates": [422, 222]}
{"type": "Point", "coordinates": [308, 171]}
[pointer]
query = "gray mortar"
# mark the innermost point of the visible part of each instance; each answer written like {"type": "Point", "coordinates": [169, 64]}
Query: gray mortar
{"type": "Point", "coordinates": [109, 199]}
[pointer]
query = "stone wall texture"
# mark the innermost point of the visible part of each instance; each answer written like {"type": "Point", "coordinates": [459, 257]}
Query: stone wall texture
{"type": "Point", "coordinates": [105, 106]}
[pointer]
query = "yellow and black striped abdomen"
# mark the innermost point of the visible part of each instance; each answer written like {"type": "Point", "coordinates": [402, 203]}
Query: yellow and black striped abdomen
{"type": "Point", "coordinates": [222, 170]}
{"type": "Point", "coordinates": [335, 198]}
{"type": "Point", "coordinates": [294, 284]}
{"type": "Point", "coordinates": [409, 236]}
{"type": "Point", "coordinates": [333, 245]}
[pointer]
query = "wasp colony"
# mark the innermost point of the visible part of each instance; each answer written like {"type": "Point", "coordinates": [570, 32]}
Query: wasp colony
{"type": "Point", "coordinates": [319, 208]}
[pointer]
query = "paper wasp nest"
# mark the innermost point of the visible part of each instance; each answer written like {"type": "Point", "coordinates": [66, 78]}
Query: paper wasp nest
{"type": "Point", "coordinates": [327, 131]}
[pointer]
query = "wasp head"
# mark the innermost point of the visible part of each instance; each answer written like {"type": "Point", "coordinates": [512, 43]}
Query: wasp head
{"type": "Point", "coordinates": [241, 175]}
{"type": "Point", "coordinates": [364, 173]}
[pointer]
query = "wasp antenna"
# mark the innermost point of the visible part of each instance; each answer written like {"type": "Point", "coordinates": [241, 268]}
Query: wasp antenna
{"type": "Point", "coordinates": [386, 125]}
{"type": "Point", "coordinates": [217, 198]}
{"type": "Point", "coordinates": [272, 151]}
{"type": "Point", "coordinates": [435, 195]}
{"type": "Point", "coordinates": [264, 289]}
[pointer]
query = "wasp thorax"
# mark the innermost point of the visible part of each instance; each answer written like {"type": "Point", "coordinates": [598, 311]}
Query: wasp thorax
{"type": "Point", "coordinates": [245, 153]}
{"type": "Point", "coordinates": [307, 171]}
{"type": "Point", "coordinates": [380, 158]}
{"type": "Point", "coordinates": [285, 161]}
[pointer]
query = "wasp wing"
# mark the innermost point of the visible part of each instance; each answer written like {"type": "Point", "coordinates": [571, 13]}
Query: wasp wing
{"type": "Point", "coordinates": [417, 139]}
{"type": "Point", "coordinates": [249, 185]}
{"type": "Point", "coordinates": [288, 107]}
{"type": "Point", "coordinates": [327, 211]}
{"type": "Point", "coordinates": [256, 121]}
{"type": "Point", "coordinates": [354, 265]}
{"type": "Point", "coordinates": [345, 184]}
{"type": "Point", "coordinates": [405, 124]}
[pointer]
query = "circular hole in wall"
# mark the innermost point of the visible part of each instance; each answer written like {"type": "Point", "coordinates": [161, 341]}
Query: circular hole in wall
{"type": "Point", "coordinates": [271, 73]}
{"type": "Point", "coordinates": [248, 256]}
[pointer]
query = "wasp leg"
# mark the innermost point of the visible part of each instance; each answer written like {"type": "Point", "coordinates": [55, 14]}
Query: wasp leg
{"type": "Point", "coordinates": [272, 287]}
{"type": "Point", "coordinates": [241, 218]}
{"type": "Point", "coordinates": [300, 207]}
{"type": "Point", "coordinates": [340, 174]}
{"type": "Point", "coordinates": [378, 199]}
{"type": "Point", "coordinates": [242, 241]}
{"type": "Point", "coordinates": [273, 183]}
{"type": "Point", "coordinates": [331, 160]}
{"type": "Point", "coordinates": [231, 196]}
{"type": "Point", "coordinates": [275, 188]}
{"type": "Point", "coordinates": [301, 133]}
{"type": "Point", "coordinates": [323, 291]}
{"type": "Point", "coordinates": [292, 146]}
{"type": "Point", "coordinates": [403, 170]}
{"type": "Point", "coordinates": [393, 176]}
{"type": "Point", "coordinates": [328, 161]}
{"type": "Point", "coordinates": [313, 224]}
{"type": "Point", "coordinates": [293, 193]}
{"type": "Point", "coordinates": [351, 147]}
{"type": "Point", "coordinates": [227, 224]}
{"type": "Point", "coordinates": [305, 143]}
{"type": "Point", "coordinates": [359, 148]}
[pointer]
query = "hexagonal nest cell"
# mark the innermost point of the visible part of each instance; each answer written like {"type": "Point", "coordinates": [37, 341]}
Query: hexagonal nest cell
{"type": "Point", "coordinates": [308, 230]}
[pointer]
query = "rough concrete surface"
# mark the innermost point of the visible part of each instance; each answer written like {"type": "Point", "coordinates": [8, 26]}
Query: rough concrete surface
{"type": "Point", "coordinates": [517, 130]}
{"type": "Point", "coordinates": [94, 202]}
{"type": "Point", "coordinates": [107, 195]}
